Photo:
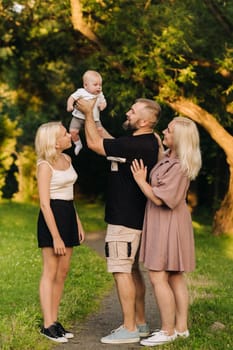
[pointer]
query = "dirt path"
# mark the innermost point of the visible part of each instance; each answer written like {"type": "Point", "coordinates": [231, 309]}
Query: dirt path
{"type": "Point", "coordinates": [108, 317]}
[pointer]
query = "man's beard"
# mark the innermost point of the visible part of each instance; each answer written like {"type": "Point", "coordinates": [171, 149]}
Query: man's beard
{"type": "Point", "coordinates": [128, 127]}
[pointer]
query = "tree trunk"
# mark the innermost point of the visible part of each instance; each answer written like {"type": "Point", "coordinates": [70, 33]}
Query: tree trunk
{"type": "Point", "coordinates": [223, 219]}
{"type": "Point", "coordinates": [79, 23]}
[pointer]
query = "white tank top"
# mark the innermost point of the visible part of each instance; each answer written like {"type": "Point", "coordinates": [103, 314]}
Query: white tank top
{"type": "Point", "coordinates": [62, 182]}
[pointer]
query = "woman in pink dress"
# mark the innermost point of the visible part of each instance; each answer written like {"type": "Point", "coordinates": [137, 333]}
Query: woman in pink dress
{"type": "Point", "coordinates": [167, 247]}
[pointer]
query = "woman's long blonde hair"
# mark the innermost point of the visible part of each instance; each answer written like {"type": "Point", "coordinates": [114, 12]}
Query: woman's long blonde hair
{"type": "Point", "coordinates": [45, 141]}
{"type": "Point", "coordinates": [187, 145]}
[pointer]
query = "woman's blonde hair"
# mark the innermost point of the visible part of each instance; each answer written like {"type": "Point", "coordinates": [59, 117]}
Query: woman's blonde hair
{"type": "Point", "coordinates": [45, 141]}
{"type": "Point", "coordinates": [187, 145]}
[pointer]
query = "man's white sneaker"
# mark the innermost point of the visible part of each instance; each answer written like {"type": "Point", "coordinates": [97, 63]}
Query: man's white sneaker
{"type": "Point", "coordinates": [184, 334]}
{"type": "Point", "coordinates": [158, 338]}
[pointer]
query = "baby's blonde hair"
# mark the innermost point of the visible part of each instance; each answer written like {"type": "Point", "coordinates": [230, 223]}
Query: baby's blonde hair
{"type": "Point", "coordinates": [45, 141]}
{"type": "Point", "coordinates": [187, 145]}
{"type": "Point", "coordinates": [90, 74]}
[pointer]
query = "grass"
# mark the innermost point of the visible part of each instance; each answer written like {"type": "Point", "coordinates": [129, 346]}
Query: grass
{"type": "Point", "coordinates": [92, 215]}
{"type": "Point", "coordinates": [210, 316]}
{"type": "Point", "coordinates": [210, 285]}
{"type": "Point", "coordinates": [20, 266]}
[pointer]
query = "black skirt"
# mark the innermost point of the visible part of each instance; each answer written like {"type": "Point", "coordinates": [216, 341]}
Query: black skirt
{"type": "Point", "coordinates": [65, 217]}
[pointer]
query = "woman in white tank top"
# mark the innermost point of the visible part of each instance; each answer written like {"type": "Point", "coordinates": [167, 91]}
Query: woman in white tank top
{"type": "Point", "coordinates": [58, 228]}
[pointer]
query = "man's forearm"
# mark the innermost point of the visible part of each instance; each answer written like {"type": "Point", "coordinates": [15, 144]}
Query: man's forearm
{"type": "Point", "coordinates": [91, 131]}
{"type": "Point", "coordinates": [94, 140]}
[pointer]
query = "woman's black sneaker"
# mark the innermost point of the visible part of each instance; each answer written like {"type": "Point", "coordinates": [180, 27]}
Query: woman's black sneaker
{"type": "Point", "coordinates": [52, 333]}
{"type": "Point", "coordinates": [63, 331]}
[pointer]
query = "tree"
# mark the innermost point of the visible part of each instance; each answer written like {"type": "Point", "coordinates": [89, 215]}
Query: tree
{"type": "Point", "coordinates": [180, 50]}
{"type": "Point", "coordinates": [223, 217]}
{"type": "Point", "coordinates": [33, 65]}
{"type": "Point", "coordinates": [9, 131]}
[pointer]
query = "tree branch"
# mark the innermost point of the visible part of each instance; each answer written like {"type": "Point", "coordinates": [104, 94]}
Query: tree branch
{"type": "Point", "coordinates": [208, 64]}
{"type": "Point", "coordinates": [220, 17]}
{"type": "Point", "coordinates": [207, 121]}
{"type": "Point", "coordinates": [79, 23]}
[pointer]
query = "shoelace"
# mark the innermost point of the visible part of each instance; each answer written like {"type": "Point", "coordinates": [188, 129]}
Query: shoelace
{"type": "Point", "coordinates": [117, 329]}
{"type": "Point", "coordinates": [160, 332]}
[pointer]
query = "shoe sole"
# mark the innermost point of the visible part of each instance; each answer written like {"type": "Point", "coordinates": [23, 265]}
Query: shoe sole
{"type": "Point", "coordinates": [157, 343]}
{"type": "Point", "coordinates": [57, 340]}
{"type": "Point", "coordinates": [147, 343]}
{"type": "Point", "coordinates": [68, 336]}
{"type": "Point", "coordinates": [142, 335]}
{"type": "Point", "coordinates": [120, 341]}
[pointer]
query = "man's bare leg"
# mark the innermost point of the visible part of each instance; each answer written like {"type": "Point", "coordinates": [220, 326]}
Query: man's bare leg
{"type": "Point", "coordinates": [127, 296]}
{"type": "Point", "coordinates": [140, 295]}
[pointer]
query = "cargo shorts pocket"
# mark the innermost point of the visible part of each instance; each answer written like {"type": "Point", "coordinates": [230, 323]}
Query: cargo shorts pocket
{"type": "Point", "coordinates": [125, 248]}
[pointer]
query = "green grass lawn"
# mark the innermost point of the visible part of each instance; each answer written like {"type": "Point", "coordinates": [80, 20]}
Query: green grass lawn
{"type": "Point", "coordinates": [211, 316]}
{"type": "Point", "coordinates": [211, 296]}
{"type": "Point", "coordinates": [20, 266]}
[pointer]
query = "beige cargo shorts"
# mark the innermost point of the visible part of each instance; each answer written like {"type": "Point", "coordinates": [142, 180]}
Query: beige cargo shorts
{"type": "Point", "coordinates": [121, 247]}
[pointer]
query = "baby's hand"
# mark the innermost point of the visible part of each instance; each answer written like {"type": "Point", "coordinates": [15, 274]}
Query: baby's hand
{"type": "Point", "coordinates": [102, 105]}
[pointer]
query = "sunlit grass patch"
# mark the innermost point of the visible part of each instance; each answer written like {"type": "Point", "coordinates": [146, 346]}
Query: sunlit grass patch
{"type": "Point", "coordinates": [210, 285]}
{"type": "Point", "coordinates": [20, 266]}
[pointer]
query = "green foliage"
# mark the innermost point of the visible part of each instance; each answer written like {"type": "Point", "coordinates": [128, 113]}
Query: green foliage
{"type": "Point", "coordinates": [154, 49]}
{"type": "Point", "coordinates": [20, 265]}
{"type": "Point", "coordinates": [26, 175]}
{"type": "Point", "coordinates": [92, 214]}
{"type": "Point", "coordinates": [8, 133]}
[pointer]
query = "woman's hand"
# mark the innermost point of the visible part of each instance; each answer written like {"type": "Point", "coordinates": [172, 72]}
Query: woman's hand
{"type": "Point", "coordinates": [59, 246]}
{"type": "Point", "coordinates": [139, 170]}
{"type": "Point", "coordinates": [140, 173]}
{"type": "Point", "coordinates": [81, 236]}
{"type": "Point", "coordinates": [81, 233]}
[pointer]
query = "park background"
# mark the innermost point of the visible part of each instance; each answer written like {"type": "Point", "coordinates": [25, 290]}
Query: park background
{"type": "Point", "coordinates": [177, 52]}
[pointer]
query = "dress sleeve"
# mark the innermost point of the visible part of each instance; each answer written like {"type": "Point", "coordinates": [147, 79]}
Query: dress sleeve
{"type": "Point", "coordinates": [171, 185]}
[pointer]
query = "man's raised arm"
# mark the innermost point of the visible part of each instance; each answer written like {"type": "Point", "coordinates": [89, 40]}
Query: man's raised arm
{"type": "Point", "coordinates": [94, 140]}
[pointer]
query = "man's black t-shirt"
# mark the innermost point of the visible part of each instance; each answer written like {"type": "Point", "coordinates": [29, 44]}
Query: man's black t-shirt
{"type": "Point", "coordinates": [125, 203]}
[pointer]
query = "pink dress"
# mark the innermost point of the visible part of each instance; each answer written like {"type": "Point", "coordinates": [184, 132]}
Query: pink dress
{"type": "Point", "coordinates": [167, 238]}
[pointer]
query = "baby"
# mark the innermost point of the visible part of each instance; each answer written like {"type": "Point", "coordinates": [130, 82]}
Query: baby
{"type": "Point", "coordinates": [92, 88]}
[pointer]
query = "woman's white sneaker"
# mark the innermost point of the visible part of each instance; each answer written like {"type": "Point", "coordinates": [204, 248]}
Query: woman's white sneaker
{"type": "Point", "coordinates": [184, 334]}
{"type": "Point", "coordinates": [158, 338]}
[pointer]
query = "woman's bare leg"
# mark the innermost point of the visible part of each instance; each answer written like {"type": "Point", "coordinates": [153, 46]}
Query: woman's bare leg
{"type": "Point", "coordinates": [178, 284]}
{"type": "Point", "coordinates": [165, 300]}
